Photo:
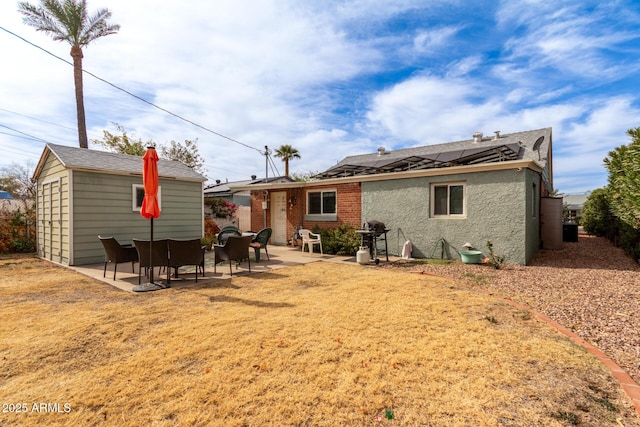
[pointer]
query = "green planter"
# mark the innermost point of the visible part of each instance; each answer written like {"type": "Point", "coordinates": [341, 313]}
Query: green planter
{"type": "Point", "coordinates": [471, 257]}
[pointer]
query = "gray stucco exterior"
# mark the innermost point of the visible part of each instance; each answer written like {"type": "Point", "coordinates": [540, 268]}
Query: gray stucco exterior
{"type": "Point", "coordinates": [501, 207]}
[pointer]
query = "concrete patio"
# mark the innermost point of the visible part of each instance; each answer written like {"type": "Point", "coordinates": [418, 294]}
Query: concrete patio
{"type": "Point", "coordinates": [279, 257]}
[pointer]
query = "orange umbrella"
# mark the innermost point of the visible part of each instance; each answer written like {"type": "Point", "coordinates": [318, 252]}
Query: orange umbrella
{"type": "Point", "coordinates": [150, 208]}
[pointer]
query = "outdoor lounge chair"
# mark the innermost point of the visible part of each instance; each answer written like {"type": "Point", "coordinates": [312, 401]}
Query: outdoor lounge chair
{"type": "Point", "coordinates": [186, 252]}
{"type": "Point", "coordinates": [310, 239]}
{"type": "Point", "coordinates": [236, 248]}
{"type": "Point", "coordinates": [116, 253]}
{"type": "Point", "coordinates": [160, 256]}
{"type": "Point", "coordinates": [260, 242]}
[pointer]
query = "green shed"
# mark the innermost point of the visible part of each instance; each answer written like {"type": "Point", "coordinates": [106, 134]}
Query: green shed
{"type": "Point", "coordinates": [84, 193]}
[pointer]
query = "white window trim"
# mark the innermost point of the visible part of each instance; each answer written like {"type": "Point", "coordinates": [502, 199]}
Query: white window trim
{"type": "Point", "coordinates": [134, 190]}
{"type": "Point", "coordinates": [432, 202]}
{"type": "Point", "coordinates": [324, 190]}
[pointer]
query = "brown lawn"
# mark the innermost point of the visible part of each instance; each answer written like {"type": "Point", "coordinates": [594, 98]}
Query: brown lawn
{"type": "Point", "coordinates": [320, 344]}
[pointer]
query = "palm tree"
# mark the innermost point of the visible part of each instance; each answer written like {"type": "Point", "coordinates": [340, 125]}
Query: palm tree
{"type": "Point", "coordinates": [287, 152]}
{"type": "Point", "coordinates": [67, 20]}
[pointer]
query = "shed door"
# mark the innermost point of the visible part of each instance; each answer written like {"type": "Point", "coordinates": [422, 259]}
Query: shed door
{"type": "Point", "coordinates": [279, 218]}
{"type": "Point", "coordinates": [50, 221]}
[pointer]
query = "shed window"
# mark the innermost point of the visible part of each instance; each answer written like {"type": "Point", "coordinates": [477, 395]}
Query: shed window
{"type": "Point", "coordinates": [448, 200]}
{"type": "Point", "coordinates": [137, 196]}
{"type": "Point", "coordinates": [321, 202]}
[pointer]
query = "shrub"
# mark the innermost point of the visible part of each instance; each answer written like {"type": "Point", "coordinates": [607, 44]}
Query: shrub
{"type": "Point", "coordinates": [221, 208]}
{"type": "Point", "coordinates": [17, 231]}
{"type": "Point", "coordinates": [342, 240]}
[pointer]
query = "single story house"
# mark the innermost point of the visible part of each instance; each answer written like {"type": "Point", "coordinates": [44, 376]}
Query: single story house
{"type": "Point", "coordinates": [472, 191]}
{"type": "Point", "coordinates": [573, 204]}
{"type": "Point", "coordinates": [84, 193]}
{"type": "Point", "coordinates": [242, 198]}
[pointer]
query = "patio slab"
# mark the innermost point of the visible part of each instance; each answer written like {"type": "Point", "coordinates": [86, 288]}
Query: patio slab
{"type": "Point", "coordinates": [279, 257]}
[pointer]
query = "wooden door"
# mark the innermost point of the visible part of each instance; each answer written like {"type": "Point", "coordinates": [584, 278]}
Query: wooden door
{"type": "Point", "coordinates": [278, 217]}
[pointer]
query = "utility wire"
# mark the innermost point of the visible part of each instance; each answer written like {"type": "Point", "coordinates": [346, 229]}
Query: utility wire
{"type": "Point", "coordinates": [133, 95]}
{"type": "Point", "coordinates": [37, 119]}
{"type": "Point", "coordinates": [35, 138]}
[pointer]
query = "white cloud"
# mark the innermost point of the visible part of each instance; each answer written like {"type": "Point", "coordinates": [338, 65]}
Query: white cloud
{"type": "Point", "coordinates": [426, 41]}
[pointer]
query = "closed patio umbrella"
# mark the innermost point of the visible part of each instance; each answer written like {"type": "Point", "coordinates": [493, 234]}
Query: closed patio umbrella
{"type": "Point", "coordinates": [150, 209]}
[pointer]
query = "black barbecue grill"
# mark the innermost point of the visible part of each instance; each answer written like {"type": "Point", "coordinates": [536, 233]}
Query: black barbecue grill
{"type": "Point", "coordinates": [372, 232]}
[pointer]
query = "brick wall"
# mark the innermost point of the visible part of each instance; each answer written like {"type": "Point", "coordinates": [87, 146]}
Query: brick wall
{"type": "Point", "coordinates": [349, 207]}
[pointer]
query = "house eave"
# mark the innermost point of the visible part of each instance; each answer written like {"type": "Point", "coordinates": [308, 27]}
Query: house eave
{"type": "Point", "coordinates": [453, 170]}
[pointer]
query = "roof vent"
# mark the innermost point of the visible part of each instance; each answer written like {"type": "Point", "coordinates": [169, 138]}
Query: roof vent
{"type": "Point", "coordinates": [497, 135]}
{"type": "Point", "coordinates": [218, 181]}
{"type": "Point", "coordinates": [381, 151]}
{"type": "Point", "coordinates": [253, 177]}
{"type": "Point", "coordinates": [477, 137]}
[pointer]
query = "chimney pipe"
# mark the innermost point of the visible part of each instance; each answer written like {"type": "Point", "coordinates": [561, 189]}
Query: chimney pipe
{"type": "Point", "coordinates": [497, 135]}
{"type": "Point", "coordinates": [477, 137]}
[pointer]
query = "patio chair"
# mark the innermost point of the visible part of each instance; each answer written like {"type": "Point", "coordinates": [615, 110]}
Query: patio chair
{"type": "Point", "coordinates": [186, 252]}
{"type": "Point", "coordinates": [116, 253]}
{"type": "Point", "coordinates": [310, 239]}
{"type": "Point", "coordinates": [160, 256]}
{"type": "Point", "coordinates": [224, 234]}
{"type": "Point", "coordinates": [260, 242]}
{"type": "Point", "coordinates": [235, 248]}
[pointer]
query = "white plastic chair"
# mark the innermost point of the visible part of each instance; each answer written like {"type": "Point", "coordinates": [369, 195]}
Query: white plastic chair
{"type": "Point", "coordinates": [310, 239]}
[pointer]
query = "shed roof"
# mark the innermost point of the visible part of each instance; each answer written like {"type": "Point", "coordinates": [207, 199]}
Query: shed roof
{"type": "Point", "coordinates": [530, 145]}
{"type": "Point", "coordinates": [76, 158]}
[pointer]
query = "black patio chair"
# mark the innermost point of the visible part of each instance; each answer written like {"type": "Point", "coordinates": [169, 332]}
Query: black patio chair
{"type": "Point", "coordinates": [260, 242]}
{"type": "Point", "coordinates": [224, 234]}
{"type": "Point", "coordinates": [160, 256]}
{"type": "Point", "coordinates": [236, 248]}
{"type": "Point", "coordinates": [116, 253]}
{"type": "Point", "coordinates": [186, 252]}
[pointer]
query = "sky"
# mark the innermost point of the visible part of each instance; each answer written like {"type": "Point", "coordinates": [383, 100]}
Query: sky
{"type": "Point", "coordinates": [332, 79]}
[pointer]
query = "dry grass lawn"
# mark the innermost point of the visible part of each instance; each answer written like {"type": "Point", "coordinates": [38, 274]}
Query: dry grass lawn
{"type": "Point", "coordinates": [320, 344]}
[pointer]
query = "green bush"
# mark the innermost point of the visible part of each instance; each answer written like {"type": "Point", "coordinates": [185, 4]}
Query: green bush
{"type": "Point", "coordinates": [17, 231]}
{"type": "Point", "coordinates": [342, 240]}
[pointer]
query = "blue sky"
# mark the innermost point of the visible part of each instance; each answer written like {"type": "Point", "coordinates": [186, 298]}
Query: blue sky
{"type": "Point", "coordinates": [335, 78]}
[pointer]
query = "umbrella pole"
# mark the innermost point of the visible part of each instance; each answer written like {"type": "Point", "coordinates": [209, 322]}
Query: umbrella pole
{"type": "Point", "coordinates": [151, 254]}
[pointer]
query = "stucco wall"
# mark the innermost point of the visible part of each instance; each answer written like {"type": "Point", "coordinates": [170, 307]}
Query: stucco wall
{"type": "Point", "coordinates": [496, 211]}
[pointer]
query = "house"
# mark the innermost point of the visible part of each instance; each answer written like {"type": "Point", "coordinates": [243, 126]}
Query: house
{"type": "Point", "coordinates": [439, 197]}
{"type": "Point", "coordinates": [241, 198]}
{"type": "Point", "coordinates": [84, 193]}
{"type": "Point", "coordinates": [573, 204]}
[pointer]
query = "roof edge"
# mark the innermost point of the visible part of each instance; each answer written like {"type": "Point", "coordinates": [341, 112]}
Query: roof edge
{"type": "Point", "coordinates": [484, 167]}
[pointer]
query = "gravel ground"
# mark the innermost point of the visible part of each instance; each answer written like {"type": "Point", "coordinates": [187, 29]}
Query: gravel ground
{"type": "Point", "coordinates": [590, 287]}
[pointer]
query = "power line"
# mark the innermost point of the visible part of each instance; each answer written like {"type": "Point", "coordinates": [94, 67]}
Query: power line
{"type": "Point", "coordinates": [37, 119]}
{"type": "Point", "coordinates": [133, 95]}
{"type": "Point", "coordinates": [35, 138]}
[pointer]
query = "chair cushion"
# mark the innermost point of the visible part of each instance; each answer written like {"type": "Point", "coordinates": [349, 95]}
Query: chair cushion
{"type": "Point", "coordinates": [255, 245]}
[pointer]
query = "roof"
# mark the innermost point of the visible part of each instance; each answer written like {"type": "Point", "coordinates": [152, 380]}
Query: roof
{"type": "Point", "coordinates": [530, 145]}
{"type": "Point", "coordinates": [574, 201]}
{"type": "Point", "coordinates": [76, 158]}
{"type": "Point", "coordinates": [228, 188]}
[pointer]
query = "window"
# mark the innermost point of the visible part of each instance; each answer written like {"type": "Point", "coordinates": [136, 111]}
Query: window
{"type": "Point", "coordinates": [534, 200]}
{"type": "Point", "coordinates": [137, 196]}
{"type": "Point", "coordinates": [321, 202]}
{"type": "Point", "coordinates": [447, 200]}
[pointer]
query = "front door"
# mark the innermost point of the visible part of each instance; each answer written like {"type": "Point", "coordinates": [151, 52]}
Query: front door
{"type": "Point", "coordinates": [279, 218]}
